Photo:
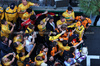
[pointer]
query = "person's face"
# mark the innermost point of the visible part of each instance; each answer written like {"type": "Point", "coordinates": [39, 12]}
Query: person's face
{"type": "Point", "coordinates": [24, 2]}
{"type": "Point", "coordinates": [43, 46]}
{"type": "Point", "coordinates": [51, 20]}
{"type": "Point", "coordinates": [18, 35]}
{"type": "Point", "coordinates": [33, 27]}
{"type": "Point", "coordinates": [51, 58]}
{"type": "Point", "coordinates": [18, 43]}
{"type": "Point", "coordinates": [40, 58]}
{"type": "Point", "coordinates": [5, 22]}
{"type": "Point", "coordinates": [82, 17]}
{"type": "Point", "coordinates": [69, 12]}
{"type": "Point", "coordinates": [63, 20]}
{"type": "Point", "coordinates": [6, 59]}
{"type": "Point", "coordinates": [26, 38]}
{"type": "Point", "coordinates": [69, 60]}
{"type": "Point", "coordinates": [6, 39]}
{"type": "Point", "coordinates": [41, 22]}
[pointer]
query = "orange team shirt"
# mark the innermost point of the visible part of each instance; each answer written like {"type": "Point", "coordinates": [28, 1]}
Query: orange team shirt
{"type": "Point", "coordinates": [84, 23]}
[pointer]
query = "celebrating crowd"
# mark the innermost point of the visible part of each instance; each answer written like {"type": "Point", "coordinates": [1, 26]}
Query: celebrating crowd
{"type": "Point", "coordinates": [30, 39]}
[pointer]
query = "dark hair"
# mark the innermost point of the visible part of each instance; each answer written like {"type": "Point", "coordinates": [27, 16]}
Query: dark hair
{"type": "Point", "coordinates": [63, 26]}
{"type": "Point", "coordinates": [51, 17]}
{"type": "Point", "coordinates": [15, 44]}
{"type": "Point", "coordinates": [38, 57]}
{"type": "Point", "coordinates": [61, 17]}
{"type": "Point", "coordinates": [83, 15]}
{"type": "Point", "coordinates": [20, 55]}
{"type": "Point", "coordinates": [31, 26]}
{"type": "Point", "coordinates": [26, 60]}
{"type": "Point", "coordinates": [26, 35]}
{"type": "Point", "coordinates": [72, 49]}
{"type": "Point", "coordinates": [29, 10]}
{"type": "Point", "coordinates": [3, 21]}
{"type": "Point", "coordinates": [65, 42]}
{"type": "Point", "coordinates": [3, 38]}
{"type": "Point", "coordinates": [69, 8]}
{"type": "Point", "coordinates": [54, 43]}
{"type": "Point", "coordinates": [40, 46]}
{"type": "Point", "coordinates": [32, 64]}
{"type": "Point", "coordinates": [32, 17]}
{"type": "Point", "coordinates": [66, 58]}
{"type": "Point", "coordinates": [12, 5]}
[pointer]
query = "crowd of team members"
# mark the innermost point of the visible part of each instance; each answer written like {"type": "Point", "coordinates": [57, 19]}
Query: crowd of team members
{"type": "Point", "coordinates": [27, 40]}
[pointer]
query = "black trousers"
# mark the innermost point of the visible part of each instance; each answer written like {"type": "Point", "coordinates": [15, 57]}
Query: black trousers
{"type": "Point", "coordinates": [96, 20]}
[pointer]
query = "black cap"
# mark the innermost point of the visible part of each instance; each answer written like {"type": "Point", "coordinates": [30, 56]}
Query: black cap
{"type": "Point", "coordinates": [12, 5]}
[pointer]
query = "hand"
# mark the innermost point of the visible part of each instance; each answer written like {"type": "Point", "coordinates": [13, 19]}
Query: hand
{"type": "Point", "coordinates": [36, 4]}
{"type": "Point", "coordinates": [21, 32]}
{"type": "Point", "coordinates": [34, 44]}
{"type": "Point", "coordinates": [54, 33]}
{"type": "Point", "coordinates": [46, 49]}
{"type": "Point", "coordinates": [45, 12]}
{"type": "Point", "coordinates": [44, 53]}
{"type": "Point", "coordinates": [47, 19]}
{"type": "Point", "coordinates": [59, 51]}
{"type": "Point", "coordinates": [63, 31]}
{"type": "Point", "coordinates": [14, 25]}
{"type": "Point", "coordinates": [51, 58]}
{"type": "Point", "coordinates": [10, 41]}
{"type": "Point", "coordinates": [61, 39]}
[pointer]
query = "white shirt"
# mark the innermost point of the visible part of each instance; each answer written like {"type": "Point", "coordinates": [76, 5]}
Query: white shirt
{"type": "Point", "coordinates": [27, 46]}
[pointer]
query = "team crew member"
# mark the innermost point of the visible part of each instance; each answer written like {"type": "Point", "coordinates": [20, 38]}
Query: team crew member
{"type": "Point", "coordinates": [18, 38]}
{"type": "Point", "coordinates": [69, 15]}
{"type": "Point", "coordinates": [19, 47]}
{"type": "Point", "coordinates": [86, 22]}
{"type": "Point", "coordinates": [63, 46]}
{"type": "Point", "coordinates": [30, 29]}
{"type": "Point", "coordinates": [23, 6]}
{"type": "Point", "coordinates": [20, 57]}
{"type": "Point", "coordinates": [66, 35]}
{"type": "Point", "coordinates": [1, 14]}
{"type": "Point", "coordinates": [39, 60]}
{"type": "Point", "coordinates": [51, 38]}
{"type": "Point", "coordinates": [11, 13]}
{"type": "Point", "coordinates": [6, 61]}
{"type": "Point", "coordinates": [79, 29]}
{"type": "Point", "coordinates": [27, 14]}
{"type": "Point", "coordinates": [42, 25]}
{"type": "Point", "coordinates": [32, 19]}
{"type": "Point", "coordinates": [61, 22]}
{"type": "Point", "coordinates": [5, 30]}
{"type": "Point", "coordinates": [54, 49]}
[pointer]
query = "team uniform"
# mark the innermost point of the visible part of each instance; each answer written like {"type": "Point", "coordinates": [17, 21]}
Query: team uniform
{"type": "Point", "coordinates": [22, 8]}
{"type": "Point", "coordinates": [26, 15]}
{"type": "Point", "coordinates": [7, 63]}
{"type": "Point", "coordinates": [20, 60]}
{"type": "Point", "coordinates": [29, 31]}
{"type": "Point", "coordinates": [29, 21]}
{"type": "Point", "coordinates": [11, 15]}
{"type": "Point", "coordinates": [84, 22]}
{"type": "Point", "coordinates": [38, 63]}
{"type": "Point", "coordinates": [17, 39]}
{"type": "Point", "coordinates": [1, 14]}
{"type": "Point", "coordinates": [5, 30]}
{"type": "Point", "coordinates": [78, 30]}
{"type": "Point", "coordinates": [68, 16]}
{"type": "Point", "coordinates": [61, 23]}
{"type": "Point", "coordinates": [61, 47]}
{"type": "Point", "coordinates": [20, 49]}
